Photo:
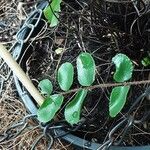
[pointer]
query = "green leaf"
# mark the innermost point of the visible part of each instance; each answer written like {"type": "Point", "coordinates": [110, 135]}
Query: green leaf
{"type": "Point", "coordinates": [146, 61]}
{"type": "Point", "coordinates": [117, 99]}
{"type": "Point", "coordinates": [51, 12]}
{"type": "Point", "coordinates": [73, 109]}
{"type": "Point", "coordinates": [45, 87]}
{"type": "Point", "coordinates": [124, 68]}
{"type": "Point", "coordinates": [65, 76]}
{"type": "Point", "coordinates": [85, 69]}
{"type": "Point", "coordinates": [50, 106]}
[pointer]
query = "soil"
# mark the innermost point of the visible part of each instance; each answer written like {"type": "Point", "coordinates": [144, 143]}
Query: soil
{"type": "Point", "coordinates": [78, 31]}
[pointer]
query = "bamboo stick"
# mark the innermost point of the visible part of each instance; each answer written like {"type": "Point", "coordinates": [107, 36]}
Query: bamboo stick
{"type": "Point", "coordinates": [7, 57]}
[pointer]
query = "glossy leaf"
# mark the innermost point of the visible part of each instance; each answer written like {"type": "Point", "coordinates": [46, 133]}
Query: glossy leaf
{"type": "Point", "coordinates": [73, 109]}
{"type": "Point", "coordinates": [45, 87]}
{"type": "Point", "coordinates": [124, 68]}
{"type": "Point", "coordinates": [117, 99]}
{"type": "Point", "coordinates": [65, 76]}
{"type": "Point", "coordinates": [50, 106]}
{"type": "Point", "coordinates": [51, 12]}
{"type": "Point", "coordinates": [85, 69]}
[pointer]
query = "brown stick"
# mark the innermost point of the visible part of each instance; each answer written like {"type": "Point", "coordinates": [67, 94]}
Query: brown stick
{"type": "Point", "coordinates": [20, 74]}
{"type": "Point", "coordinates": [106, 85]}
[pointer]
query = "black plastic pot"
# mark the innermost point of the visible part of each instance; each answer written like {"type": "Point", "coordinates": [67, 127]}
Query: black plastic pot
{"type": "Point", "coordinates": [76, 141]}
{"type": "Point", "coordinates": [31, 106]}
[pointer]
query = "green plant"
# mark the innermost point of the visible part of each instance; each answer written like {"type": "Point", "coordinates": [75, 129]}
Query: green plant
{"type": "Point", "coordinates": [146, 61]}
{"type": "Point", "coordinates": [117, 99]}
{"type": "Point", "coordinates": [49, 107]}
{"type": "Point", "coordinates": [51, 12]}
{"type": "Point", "coordinates": [46, 87]}
{"type": "Point", "coordinates": [86, 76]}
{"type": "Point", "coordinates": [65, 76]}
{"type": "Point", "coordinates": [73, 109]}
{"type": "Point", "coordinates": [124, 69]}
{"type": "Point", "coordinates": [85, 69]}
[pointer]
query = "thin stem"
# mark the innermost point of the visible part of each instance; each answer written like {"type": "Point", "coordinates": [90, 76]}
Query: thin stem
{"type": "Point", "coordinates": [106, 86]}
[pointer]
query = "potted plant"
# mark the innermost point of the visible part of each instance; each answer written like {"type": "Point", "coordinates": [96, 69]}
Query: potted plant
{"type": "Point", "coordinates": [90, 78]}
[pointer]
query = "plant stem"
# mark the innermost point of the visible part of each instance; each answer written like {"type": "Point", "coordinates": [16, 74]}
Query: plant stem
{"type": "Point", "coordinates": [6, 56]}
{"type": "Point", "coordinates": [106, 86]}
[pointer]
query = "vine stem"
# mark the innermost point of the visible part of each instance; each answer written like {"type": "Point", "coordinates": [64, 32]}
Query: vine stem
{"type": "Point", "coordinates": [106, 85]}
{"type": "Point", "coordinates": [10, 61]}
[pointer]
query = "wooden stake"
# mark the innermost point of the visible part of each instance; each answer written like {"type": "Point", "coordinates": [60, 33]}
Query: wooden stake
{"type": "Point", "coordinates": [7, 57]}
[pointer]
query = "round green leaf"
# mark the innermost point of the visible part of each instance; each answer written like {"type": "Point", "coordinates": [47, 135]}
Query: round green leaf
{"type": "Point", "coordinates": [73, 109]}
{"type": "Point", "coordinates": [124, 68]}
{"type": "Point", "coordinates": [65, 76]}
{"type": "Point", "coordinates": [50, 106]}
{"type": "Point", "coordinates": [85, 69]}
{"type": "Point", "coordinates": [51, 12]}
{"type": "Point", "coordinates": [45, 87]}
{"type": "Point", "coordinates": [117, 99]}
